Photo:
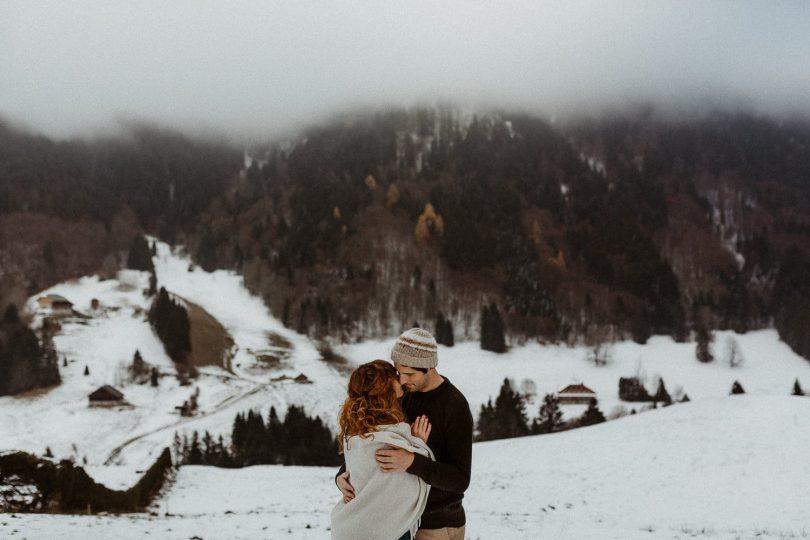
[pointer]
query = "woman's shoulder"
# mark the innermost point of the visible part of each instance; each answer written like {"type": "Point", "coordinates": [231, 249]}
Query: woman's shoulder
{"type": "Point", "coordinates": [383, 431]}
{"type": "Point", "coordinates": [400, 427]}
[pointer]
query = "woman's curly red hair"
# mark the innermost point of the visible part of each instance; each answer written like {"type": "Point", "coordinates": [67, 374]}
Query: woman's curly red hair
{"type": "Point", "coordinates": [372, 401]}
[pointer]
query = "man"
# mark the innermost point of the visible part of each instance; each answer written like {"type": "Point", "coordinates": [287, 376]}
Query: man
{"type": "Point", "coordinates": [430, 394]}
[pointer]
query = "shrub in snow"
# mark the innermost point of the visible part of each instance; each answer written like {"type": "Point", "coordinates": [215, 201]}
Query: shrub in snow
{"type": "Point", "coordinates": [733, 354]}
{"type": "Point", "coordinates": [737, 388]}
{"type": "Point", "coordinates": [617, 412]}
{"type": "Point", "coordinates": [631, 389]}
{"type": "Point", "coordinates": [528, 388]}
{"type": "Point", "coordinates": [600, 354]}
{"type": "Point", "coordinates": [797, 389]}
{"type": "Point", "coordinates": [591, 416]}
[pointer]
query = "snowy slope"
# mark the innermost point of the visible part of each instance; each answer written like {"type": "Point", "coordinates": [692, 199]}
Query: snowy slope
{"type": "Point", "coordinates": [721, 468]}
{"type": "Point", "coordinates": [59, 418]}
{"type": "Point", "coordinates": [770, 367]}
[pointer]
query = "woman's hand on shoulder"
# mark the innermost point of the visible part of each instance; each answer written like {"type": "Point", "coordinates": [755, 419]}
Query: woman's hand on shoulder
{"type": "Point", "coordinates": [421, 428]}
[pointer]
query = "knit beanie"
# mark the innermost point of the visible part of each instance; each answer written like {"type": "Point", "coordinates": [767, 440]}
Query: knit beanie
{"type": "Point", "coordinates": [415, 348]}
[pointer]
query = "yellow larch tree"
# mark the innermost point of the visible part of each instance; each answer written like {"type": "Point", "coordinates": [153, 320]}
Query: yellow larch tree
{"type": "Point", "coordinates": [429, 223]}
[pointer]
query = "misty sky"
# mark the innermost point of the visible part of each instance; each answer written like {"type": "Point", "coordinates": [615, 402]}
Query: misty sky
{"type": "Point", "coordinates": [250, 68]}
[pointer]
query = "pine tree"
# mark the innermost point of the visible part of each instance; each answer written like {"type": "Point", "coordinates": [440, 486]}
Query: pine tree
{"type": "Point", "coordinates": [86, 371]}
{"type": "Point", "coordinates": [703, 345]}
{"type": "Point", "coordinates": [737, 388]}
{"type": "Point", "coordinates": [238, 433]}
{"type": "Point", "coordinates": [152, 284]}
{"type": "Point", "coordinates": [449, 339]}
{"type": "Point", "coordinates": [486, 422]}
{"type": "Point", "coordinates": [154, 377]}
{"type": "Point", "coordinates": [207, 251]}
{"type": "Point", "coordinates": [797, 389]}
{"type": "Point", "coordinates": [285, 313]}
{"type": "Point", "coordinates": [661, 395]}
{"type": "Point", "coordinates": [177, 332]}
{"type": "Point", "coordinates": [550, 416]}
{"type": "Point", "coordinates": [439, 332]}
{"type": "Point", "coordinates": [138, 365]}
{"type": "Point", "coordinates": [177, 449]}
{"type": "Point", "coordinates": [140, 255]}
{"type": "Point", "coordinates": [444, 330]}
{"type": "Point", "coordinates": [510, 413]}
{"type": "Point", "coordinates": [592, 415]}
{"type": "Point", "coordinates": [11, 316]}
{"type": "Point", "coordinates": [685, 398]}
{"type": "Point", "coordinates": [492, 331]}
{"type": "Point", "coordinates": [195, 455]}
{"type": "Point", "coordinates": [209, 450]}
{"type": "Point", "coordinates": [275, 437]}
{"type": "Point", "coordinates": [631, 389]}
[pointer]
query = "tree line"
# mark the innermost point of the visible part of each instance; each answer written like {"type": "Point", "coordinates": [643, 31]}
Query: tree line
{"type": "Point", "coordinates": [507, 417]}
{"type": "Point", "coordinates": [297, 440]}
{"type": "Point", "coordinates": [24, 362]}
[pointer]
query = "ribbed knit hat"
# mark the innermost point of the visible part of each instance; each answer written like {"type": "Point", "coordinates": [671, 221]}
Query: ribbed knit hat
{"type": "Point", "coordinates": [415, 348]}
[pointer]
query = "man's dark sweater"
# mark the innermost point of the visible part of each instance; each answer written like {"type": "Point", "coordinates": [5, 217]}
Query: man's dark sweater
{"type": "Point", "coordinates": [451, 441]}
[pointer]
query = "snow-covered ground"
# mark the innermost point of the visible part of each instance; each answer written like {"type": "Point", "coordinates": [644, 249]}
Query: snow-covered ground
{"type": "Point", "coordinates": [61, 420]}
{"type": "Point", "coordinates": [720, 466]}
{"type": "Point", "coordinates": [769, 367]}
{"type": "Point", "coordinates": [733, 467]}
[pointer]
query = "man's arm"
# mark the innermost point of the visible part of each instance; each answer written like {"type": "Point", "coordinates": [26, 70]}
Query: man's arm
{"type": "Point", "coordinates": [343, 483]}
{"type": "Point", "coordinates": [452, 474]}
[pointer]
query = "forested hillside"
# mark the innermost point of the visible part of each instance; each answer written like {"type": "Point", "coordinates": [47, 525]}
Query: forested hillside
{"type": "Point", "coordinates": [594, 229]}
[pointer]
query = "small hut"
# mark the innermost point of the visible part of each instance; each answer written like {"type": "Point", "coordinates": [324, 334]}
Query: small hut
{"type": "Point", "coordinates": [58, 306]}
{"type": "Point", "coordinates": [106, 396]}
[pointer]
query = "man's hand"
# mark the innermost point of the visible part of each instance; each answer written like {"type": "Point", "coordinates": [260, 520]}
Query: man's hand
{"type": "Point", "coordinates": [393, 459]}
{"type": "Point", "coordinates": [421, 428]}
{"type": "Point", "coordinates": [345, 487]}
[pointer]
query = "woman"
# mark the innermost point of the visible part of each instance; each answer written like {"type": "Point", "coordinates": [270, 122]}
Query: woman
{"type": "Point", "coordinates": [386, 506]}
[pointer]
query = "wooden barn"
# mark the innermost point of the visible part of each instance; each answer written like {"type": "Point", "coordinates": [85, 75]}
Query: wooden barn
{"type": "Point", "coordinates": [56, 305]}
{"type": "Point", "coordinates": [106, 396]}
{"type": "Point", "coordinates": [578, 394]}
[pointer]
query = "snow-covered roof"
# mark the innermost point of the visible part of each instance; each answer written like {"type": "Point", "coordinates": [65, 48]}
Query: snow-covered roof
{"type": "Point", "coordinates": [106, 391]}
{"type": "Point", "coordinates": [576, 389]}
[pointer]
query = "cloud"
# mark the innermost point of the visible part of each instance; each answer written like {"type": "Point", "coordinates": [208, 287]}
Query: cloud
{"type": "Point", "coordinates": [253, 69]}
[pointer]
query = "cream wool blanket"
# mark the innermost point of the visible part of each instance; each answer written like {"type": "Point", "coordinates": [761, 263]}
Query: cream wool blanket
{"type": "Point", "coordinates": [385, 504]}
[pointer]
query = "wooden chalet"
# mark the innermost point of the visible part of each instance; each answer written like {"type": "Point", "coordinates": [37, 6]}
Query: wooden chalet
{"type": "Point", "coordinates": [106, 396]}
{"type": "Point", "coordinates": [575, 394]}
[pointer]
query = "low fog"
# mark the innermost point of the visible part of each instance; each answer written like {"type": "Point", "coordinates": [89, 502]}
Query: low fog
{"type": "Point", "coordinates": [254, 69]}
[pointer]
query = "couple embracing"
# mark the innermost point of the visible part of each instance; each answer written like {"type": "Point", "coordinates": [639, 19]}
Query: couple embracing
{"type": "Point", "coordinates": [406, 437]}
